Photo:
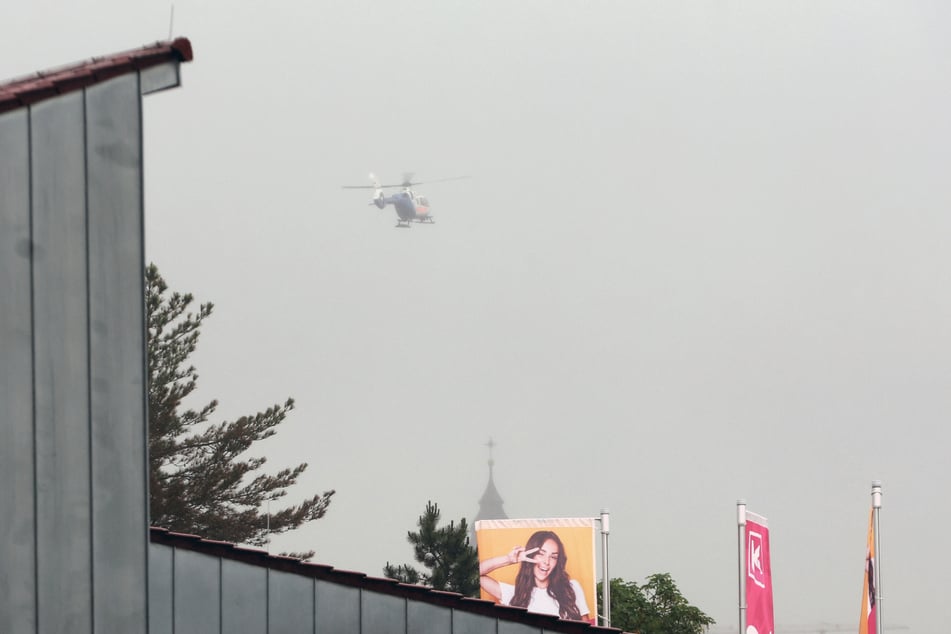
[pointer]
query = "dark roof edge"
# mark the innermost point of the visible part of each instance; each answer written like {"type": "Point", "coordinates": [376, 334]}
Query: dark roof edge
{"type": "Point", "coordinates": [184, 48]}
{"type": "Point", "coordinates": [256, 557]}
{"type": "Point", "coordinates": [24, 91]}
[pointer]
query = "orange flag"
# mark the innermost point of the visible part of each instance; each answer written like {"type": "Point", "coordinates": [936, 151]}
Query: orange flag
{"type": "Point", "coordinates": [867, 618]}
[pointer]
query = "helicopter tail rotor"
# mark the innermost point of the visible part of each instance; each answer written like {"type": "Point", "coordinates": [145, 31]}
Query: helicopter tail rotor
{"type": "Point", "coordinates": [377, 193]}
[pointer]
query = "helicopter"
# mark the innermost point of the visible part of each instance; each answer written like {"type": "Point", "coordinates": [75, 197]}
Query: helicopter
{"type": "Point", "coordinates": [410, 205]}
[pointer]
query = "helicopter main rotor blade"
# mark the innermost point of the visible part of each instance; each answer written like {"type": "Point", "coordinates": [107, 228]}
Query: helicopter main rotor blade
{"type": "Point", "coordinates": [370, 186]}
{"type": "Point", "coordinates": [438, 180]}
{"type": "Point", "coordinates": [404, 184]}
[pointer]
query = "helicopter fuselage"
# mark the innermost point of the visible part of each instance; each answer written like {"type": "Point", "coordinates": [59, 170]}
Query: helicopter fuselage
{"type": "Point", "coordinates": [409, 206]}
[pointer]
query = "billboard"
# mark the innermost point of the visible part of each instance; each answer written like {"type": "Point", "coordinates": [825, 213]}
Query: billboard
{"type": "Point", "coordinates": [544, 565]}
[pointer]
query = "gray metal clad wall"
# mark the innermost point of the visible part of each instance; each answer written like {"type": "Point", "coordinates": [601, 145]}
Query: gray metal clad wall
{"type": "Point", "coordinates": [424, 618]}
{"type": "Point", "coordinates": [290, 603]}
{"type": "Point", "coordinates": [383, 614]}
{"type": "Point", "coordinates": [244, 598]}
{"type": "Point", "coordinates": [161, 606]}
{"type": "Point", "coordinates": [507, 627]}
{"type": "Point", "coordinates": [338, 608]}
{"type": "Point", "coordinates": [61, 374]}
{"type": "Point", "coordinates": [72, 355]}
{"type": "Point", "coordinates": [466, 623]}
{"type": "Point", "coordinates": [196, 593]}
{"type": "Point", "coordinates": [17, 540]}
{"type": "Point", "coordinates": [203, 593]}
{"type": "Point", "coordinates": [117, 353]}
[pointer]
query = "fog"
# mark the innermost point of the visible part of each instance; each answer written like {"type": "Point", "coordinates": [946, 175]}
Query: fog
{"type": "Point", "coordinates": [702, 254]}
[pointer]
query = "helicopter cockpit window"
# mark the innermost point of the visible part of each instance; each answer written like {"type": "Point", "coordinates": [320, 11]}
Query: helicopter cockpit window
{"type": "Point", "coordinates": [423, 201]}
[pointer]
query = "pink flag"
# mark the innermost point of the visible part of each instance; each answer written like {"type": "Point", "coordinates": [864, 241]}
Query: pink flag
{"type": "Point", "coordinates": [759, 581]}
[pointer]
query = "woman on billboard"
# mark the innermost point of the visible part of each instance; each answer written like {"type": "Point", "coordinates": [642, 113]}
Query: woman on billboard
{"type": "Point", "coordinates": [542, 584]}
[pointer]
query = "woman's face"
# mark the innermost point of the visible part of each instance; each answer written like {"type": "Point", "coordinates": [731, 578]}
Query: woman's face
{"type": "Point", "coordinates": [545, 560]}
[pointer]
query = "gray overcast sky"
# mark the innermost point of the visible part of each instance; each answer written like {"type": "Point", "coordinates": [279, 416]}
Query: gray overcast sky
{"type": "Point", "coordinates": [703, 255]}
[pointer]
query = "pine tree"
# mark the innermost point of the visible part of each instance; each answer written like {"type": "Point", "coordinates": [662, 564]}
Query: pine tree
{"type": "Point", "coordinates": [452, 563]}
{"type": "Point", "coordinates": [200, 482]}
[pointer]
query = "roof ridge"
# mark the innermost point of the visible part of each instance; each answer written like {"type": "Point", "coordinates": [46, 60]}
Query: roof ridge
{"type": "Point", "coordinates": [44, 84]}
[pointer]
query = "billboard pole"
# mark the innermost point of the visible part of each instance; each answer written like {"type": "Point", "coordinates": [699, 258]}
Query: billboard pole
{"type": "Point", "coordinates": [741, 544]}
{"type": "Point", "coordinates": [876, 509]}
{"type": "Point", "coordinates": [606, 583]}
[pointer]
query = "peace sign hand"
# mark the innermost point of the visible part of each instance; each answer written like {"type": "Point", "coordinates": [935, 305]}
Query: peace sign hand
{"type": "Point", "coordinates": [519, 554]}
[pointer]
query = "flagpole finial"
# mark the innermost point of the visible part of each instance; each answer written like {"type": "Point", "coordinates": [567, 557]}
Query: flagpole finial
{"type": "Point", "coordinates": [741, 512]}
{"type": "Point", "coordinates": [876, 494]}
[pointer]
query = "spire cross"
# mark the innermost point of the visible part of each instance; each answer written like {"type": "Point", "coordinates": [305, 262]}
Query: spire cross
{"type": "Point", "coordinates": [490, 445]}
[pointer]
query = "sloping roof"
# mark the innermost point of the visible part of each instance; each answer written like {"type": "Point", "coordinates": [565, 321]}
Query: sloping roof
{"type": "Point", "coordinates": [42, 85]}
{"type": "Point", "coordinates": [256, 557]}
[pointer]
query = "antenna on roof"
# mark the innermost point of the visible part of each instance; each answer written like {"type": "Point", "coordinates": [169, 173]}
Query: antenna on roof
{"type": "Point", "coordinates": [171, 19]}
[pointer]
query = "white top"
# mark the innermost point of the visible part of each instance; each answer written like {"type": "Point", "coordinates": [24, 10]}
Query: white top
{"type": "Point", "coordinates": [542, 602]}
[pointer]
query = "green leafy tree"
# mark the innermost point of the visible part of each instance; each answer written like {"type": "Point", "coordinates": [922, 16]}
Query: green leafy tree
{"type": "Point", "coordinates": [657, 607]}
{"type": "Point", "coordinates": [200, 480]}
{"type": "Point", "coordinates": [452, 564]}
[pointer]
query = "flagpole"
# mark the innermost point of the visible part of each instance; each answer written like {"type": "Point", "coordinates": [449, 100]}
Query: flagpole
{"type": "Point", "coordinates": [741, 545]}
{"type": "Point", "coordinates": [876, 510]}
{"type": "Point", "coordinates": [606, 583]}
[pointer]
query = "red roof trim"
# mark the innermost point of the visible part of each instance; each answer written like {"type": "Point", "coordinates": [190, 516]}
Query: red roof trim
{"type": "Point", "coordinates": [256, 557]}
{"type": "Point", "coordinates": [28, 90]}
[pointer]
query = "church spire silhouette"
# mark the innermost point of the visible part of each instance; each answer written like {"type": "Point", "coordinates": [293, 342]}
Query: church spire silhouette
{"type": "Point", "coordinates": [490, 504]}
